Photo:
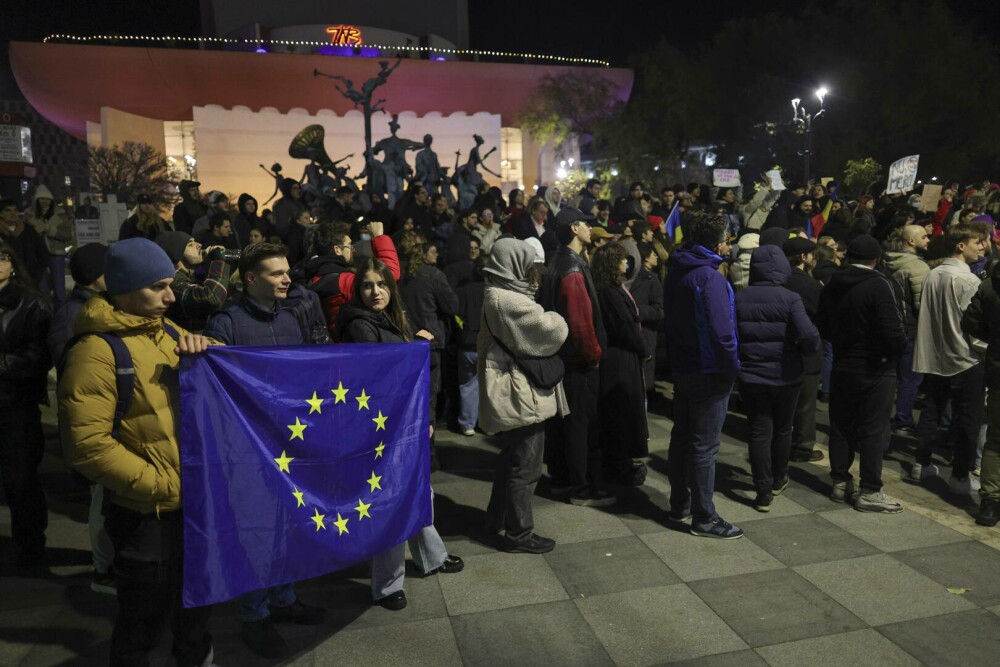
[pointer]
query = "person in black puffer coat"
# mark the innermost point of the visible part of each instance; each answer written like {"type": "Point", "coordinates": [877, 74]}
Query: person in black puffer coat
{"type": "Point", "coordinates": [775, 335]}
{"type": "Point", "coordinates": [470, 291]}
{"type": "Point", "coordinates": [24, 364]}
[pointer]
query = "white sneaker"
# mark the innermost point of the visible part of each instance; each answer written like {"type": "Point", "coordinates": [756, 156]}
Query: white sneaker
{"type": "Point", "coordinates": [965, 486]}
{"type": "Point", "coordinates": [919, 473]}
{"type": "Point", "coordinates": [469, 431]}
{"type": "Point", "coordinates": [877, 502]}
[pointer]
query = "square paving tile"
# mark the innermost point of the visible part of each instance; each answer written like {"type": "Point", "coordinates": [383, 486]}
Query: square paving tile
{"type": "Point", "coordinates": [554, 633]}
{"type": "Point", "coordinates": [742, 511]}
{"type": "Point", "coordinates": [656, 625]}
{"type": "Point", "coordinates": [608, 566]}
{"type": "Point", "coordinates": [498, 581]}
{"type": "Point", "coordinates": [800, 540]}
{"type": "Point", "coordinates": [960, 565]}
{"type": "Point", "coordinates": [861, 647]}
{"type": "Point", "coordinates": [774, 607]}
{"type": "Point", "coordinates": [879, 589]}
{"type": "Point", "coordinates": [963, 639]}
{"type": "Point", "coordinates": [747, 658]}
{"type": "Point", "coordinates": [567, 523]}
{"type": "Point", "coordinates": [429, 642]}
{"type": "Point", "coordinates": [908, 530]}
{"type": "Point", "coordinates": [693, 558]}
{"type": "Point", "coordinates": [349, 602]}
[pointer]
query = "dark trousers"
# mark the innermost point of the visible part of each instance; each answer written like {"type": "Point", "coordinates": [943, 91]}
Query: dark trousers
{"type": "Point", "coordinates": [574, 452]}
{"type": "Point", "coordinates": [519, 465]}
{"type": "Point", "coordinates": [769, 412]}
{"type": "Point", "coordinates": [860, 406]}
{"type": "Point", "coordinates": [804, 421]}
{"type": "Point", "coordinates": [909, 386]}
{"type": "Point", "coordinates": [148, 565]}
{"type": "Point", "coordinates": [965, 391]}
{"type": "Point", "coordinates": [21, 447]}
{"type": "Point", "coordinates": [700, 405]}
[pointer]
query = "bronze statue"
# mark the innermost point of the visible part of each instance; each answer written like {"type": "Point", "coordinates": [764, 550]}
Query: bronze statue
{"type": "Point", "coordinates": [428, 168]}
{"type": "Point", "coordinates": [394, 163]}
{"type": "Point", "coordinates": [468, 177]}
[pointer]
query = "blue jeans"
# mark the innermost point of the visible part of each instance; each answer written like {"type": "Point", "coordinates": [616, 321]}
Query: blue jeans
{"type": "Point", "coordinates": [468, 389]}
{"type": "Point", "coordinates": [254, 605]}
{"type": "Point", "coordinates": [909, 385]}
{"type": "Point", "coordinates": [388, 567]}
{"type": "Point", "coordinates": [824, 378]}
{"type": "Point", "coordinates": [57, 274]}
{"type": "Point", "coordinates": [700, 405]}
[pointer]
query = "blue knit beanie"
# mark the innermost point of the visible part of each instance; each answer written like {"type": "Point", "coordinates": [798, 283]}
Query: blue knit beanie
{"type": "Point", "coordinates": [135, 263]}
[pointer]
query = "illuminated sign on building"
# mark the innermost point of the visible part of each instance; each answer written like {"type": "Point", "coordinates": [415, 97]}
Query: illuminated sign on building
{"type": "Point", "coordinates": [344, 35]}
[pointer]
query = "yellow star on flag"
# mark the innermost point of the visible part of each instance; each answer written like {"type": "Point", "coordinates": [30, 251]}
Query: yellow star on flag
{"type": "Point", "coordinates": [318, 519]}
{"type": "Point", "coordinates": [362, 509]}
{"type": "Point", "coordinates": [283, 462]}
{"type": "Point", "coordinates": [315, 403]}
{"type": "Point", "coordinates": [298, 498]}
{"type": "Point", "coordinates": [340, 392]}
{"type": "Point", "coordinates": [379, 421]}
{"type": "Point", "coordinates": [374, 481]}
{"type": "Point", "coordinates": [378, 450]}
{"type": "Point", "coordinates": [297, 429]}
{"type": "Point", "coordinates": [362, 400]}
{"type": "Point", "coordinates": [341, 524]}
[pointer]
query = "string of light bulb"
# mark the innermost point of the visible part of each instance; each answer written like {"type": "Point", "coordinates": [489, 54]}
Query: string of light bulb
{"type": "Point", "coordinates": [289, 42]}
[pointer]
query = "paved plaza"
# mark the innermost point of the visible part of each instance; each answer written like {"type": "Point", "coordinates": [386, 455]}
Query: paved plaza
{"type": "Point", "coordinates": [812, 583]}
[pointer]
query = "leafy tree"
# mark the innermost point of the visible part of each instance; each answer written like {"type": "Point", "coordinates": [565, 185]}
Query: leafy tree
{"type": "Point", "coordinates": [860, 175]}
{"type": "Point", "coordinates": [129, 170]}
{"type": "Point", "coordinates": [567, 104]}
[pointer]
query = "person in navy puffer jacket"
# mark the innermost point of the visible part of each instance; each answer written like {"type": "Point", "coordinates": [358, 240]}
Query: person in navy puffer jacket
{"type": "Point", "coordinates": [775, 335]}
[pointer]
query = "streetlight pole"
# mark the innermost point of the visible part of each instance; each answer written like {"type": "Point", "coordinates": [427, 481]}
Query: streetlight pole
{"type": "Point", "coordinates": [801, 117]}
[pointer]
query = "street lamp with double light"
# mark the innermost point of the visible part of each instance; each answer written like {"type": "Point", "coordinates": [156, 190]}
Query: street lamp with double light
{"type": "Point", "coordinates": [804, 119]}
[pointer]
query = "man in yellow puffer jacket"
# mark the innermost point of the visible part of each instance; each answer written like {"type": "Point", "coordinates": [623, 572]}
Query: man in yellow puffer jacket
{"type": "Point", "coordinates": [140, 470]}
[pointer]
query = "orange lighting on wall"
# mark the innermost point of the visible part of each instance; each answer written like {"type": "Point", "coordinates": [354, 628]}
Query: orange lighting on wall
{"type": "Point", "coordinates": [344, 35]}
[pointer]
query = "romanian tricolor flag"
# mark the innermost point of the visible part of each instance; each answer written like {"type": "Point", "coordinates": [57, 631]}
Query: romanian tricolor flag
{"type": "Point", "coordinates": [817, 222]}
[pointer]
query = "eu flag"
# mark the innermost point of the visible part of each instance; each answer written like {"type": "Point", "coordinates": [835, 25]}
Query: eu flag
{"type": "Point", "coordinates": [298, 461]}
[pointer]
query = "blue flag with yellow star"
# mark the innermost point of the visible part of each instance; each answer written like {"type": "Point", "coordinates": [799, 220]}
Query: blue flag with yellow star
{"type": "Point", "coordinates": [299, 461]}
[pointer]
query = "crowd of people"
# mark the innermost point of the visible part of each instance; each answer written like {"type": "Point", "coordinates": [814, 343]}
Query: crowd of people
{"type": "Point", "coordinates": [544, 315]}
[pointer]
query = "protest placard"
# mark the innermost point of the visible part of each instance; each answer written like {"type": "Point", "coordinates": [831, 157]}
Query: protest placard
{"type": "Point", "coordinates": [930, 197]}
{"type": "Point", "coordinates": [726, 178]}
{"type": "Point", "coordinates": [903, 174]}
{"type": "Point", "coordinates": [774, 176]}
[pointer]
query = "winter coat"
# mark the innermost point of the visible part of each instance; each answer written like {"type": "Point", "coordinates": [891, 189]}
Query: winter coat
{"type": "Point", "coordinates": [189, 210]}
{"type": "Point", "coordinates": [739, 270]}
{"type": "Point", "coordinates": [140, 470]}
{"type": "Point", "coordinates": [755, 211]}
{"type": "Point", "coordinates": [431, 303]}
{"type": "Point", "coordinates": [64, 319]}
{"type": "Point", "coordinates": [250, 323]}
{"type": "Point", "coordinates": [25, 319]}
{"type": "Point", "coordinates": [824, 270]}
{"type": "Point", "coordinates": [506, 399]}
{"type": "Point", "coordinates": [940, 346]}
{"type": "Point", "coordinates": [135, 227]}
{"type": "Point", "coordinates": [775, 332]}
{"type": "Point", "coordinates": [569, 290]}
{"type": "Point", "coordinates": [196, 301]}
{"type": "Point", "coordinates": [59, 230]}
{"type": "Point", "coordinates": [859, 314]}
{"type": "Point", "coordinates": [982, 321]}
{"type": "Point", "coordinates": [809, 290]}
{"type": "Point", "coordinates": [286, 210]}
{"type": "Point", "coordinates": [701, 329]}
{"type": "Point", "coordinates": [358, 324]}
{"type": "Point", "coordinates": [243, 223]}
{"type": "Point", "coordinates": [622, 391]}
{"type": "Point", "coordinates": [909, 272]}
{"type": "Point", "coordinates": [471, 291]}
{"type": "Point", "coordinates": [648, 293]}
{"type": "Point", "coordinates": [29, 246]}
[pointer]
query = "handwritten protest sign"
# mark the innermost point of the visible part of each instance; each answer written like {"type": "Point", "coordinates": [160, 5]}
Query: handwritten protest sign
{"type": "Point", "coordinates": [903, 174]}
{"type": "Point", "coordinates": [930, 197]}
{"type": "Point", "coordinates": [774, 176]}
{"type": "Point", "coordinates": [726, 178]}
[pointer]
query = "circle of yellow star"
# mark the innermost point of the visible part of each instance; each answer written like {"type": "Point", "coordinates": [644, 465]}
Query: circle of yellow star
{"type": "Point", "coordinates": [340, 392]}
{"type": "Point", "coordinates": [341, 524]}
{"type": "Point", "coordinates": [362, 509]}
{"type": "Point", "coordinates": [380, 421]}
{"type": "Point", "coordinates": [374, 481]}
{"type": "Point", "coordinates": [283, 462]}
{"type": "Point", "coordinates": [362, 400]}
{"type": "Point", "coordinates": [378, 450]}
{"type": "Point", "coordinates": [298, 498]}
{"type": "Point", "coordinates": [297, 429]}
{"type": "Point", "coordinates": [318, 519]}
{"type": "Point", "coordinates": [315, 403]}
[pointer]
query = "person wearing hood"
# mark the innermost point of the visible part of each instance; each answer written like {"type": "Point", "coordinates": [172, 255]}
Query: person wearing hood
{"type": "Point", "coordinates": [775, 336]}
{"type": "Point", "coordinates": [287, 209]}
{"type": "Point", "coordinates": [219, 207]}
{"type": "Point", "coordinates": [739, 270]}
{"type": "Point", "coordinates": [246, 219]}
{"type": "Point", "coordinates": [140, 467]}
{"type": "Point", "coordinates": [55, 226]}
{"type": "Point", "coordinates": [905, 266]}
{"type": "Point", "coordinates": [701, 335]}
{"type": "Point", "coordinates": [375, 315]}
{"type": "Point", "coordinates": [553, 199]}
{"type": "Point", "coordinates": [195, 301]}
{"type": "Point", "coordinates": [24, 365]}
{"type": "Point", "coordinates": [190, 209]}
{"type": "Point", "coordinates": [780, 214]}
{"type": "Point", "coordinates": [24, 241]}
{"type": "Point", "coordinates": [513, 322]}
{"type": "Point", "coordinates": [859, 314]}
{"type": "Point", "coordinates": [145, 222]}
